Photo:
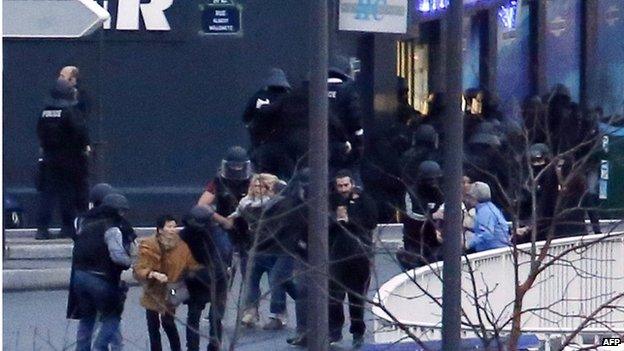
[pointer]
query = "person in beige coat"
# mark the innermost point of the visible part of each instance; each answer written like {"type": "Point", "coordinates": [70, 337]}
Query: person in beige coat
{"type": "Point", "coordinates": [163, 258]}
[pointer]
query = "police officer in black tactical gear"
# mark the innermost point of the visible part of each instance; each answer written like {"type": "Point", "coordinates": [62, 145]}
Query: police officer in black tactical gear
{"type": "Point", "coordinates": [485, 162]}
{"type": "Point", "coordinates": [101, 252]}
{"type": "Point", "coordinates": [265, 125]}
{"type": "Point", "coordinates": [223, 193]}
{"type": "Point", "coordinates": [424, 147]}
{"type": "Point", "coordinates": [210, 283]}
{"type": "Point", "coordinates": [96, 197]}
{"type": "Point", "coordinates": [346, 132]}
{"type": "Point", "coordinates": [420, 243]}
{"type": "Point", "coordinates": [546, 189]}
{"type": "Point", "coordinates": [63, 173]}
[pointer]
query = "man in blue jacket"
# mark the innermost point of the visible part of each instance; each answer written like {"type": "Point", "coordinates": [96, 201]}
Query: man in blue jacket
{"type": "Point", "coordinates": [491, 230]}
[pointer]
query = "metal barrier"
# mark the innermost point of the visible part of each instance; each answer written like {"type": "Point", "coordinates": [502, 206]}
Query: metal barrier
{"type": "Point", "coordinates": [562, 295]}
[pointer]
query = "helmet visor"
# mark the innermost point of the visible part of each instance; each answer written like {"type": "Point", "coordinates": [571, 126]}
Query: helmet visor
{"type": "Point", "coordinates": [236, 170]}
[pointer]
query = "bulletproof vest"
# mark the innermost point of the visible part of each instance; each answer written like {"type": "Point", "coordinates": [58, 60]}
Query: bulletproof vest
{"type": "Point", "coordinates": [229, 194]}
{"type": "Point", "coordinates": [53, 128]}
{"type": "Point", "coordinates": [338, 107]}
{"type": "Point", "coordinates": [90, 250]}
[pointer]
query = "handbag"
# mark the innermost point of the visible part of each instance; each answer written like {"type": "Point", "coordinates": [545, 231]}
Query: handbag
{"type": "Point", "coordinates": [177, 293]}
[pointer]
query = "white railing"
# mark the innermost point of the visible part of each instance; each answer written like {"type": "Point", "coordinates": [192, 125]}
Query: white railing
{"type": "Point", "coordinates": [563, 294]}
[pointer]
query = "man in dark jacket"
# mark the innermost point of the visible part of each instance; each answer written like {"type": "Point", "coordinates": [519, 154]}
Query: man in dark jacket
{"type": "Point", "coordinates": [207, 285]}
{"type": "Point", "coordinates": [265, 129]}
{"type": "Point", "coordinates": [350, 251]}
{"type": "Point", "coordinates": [101, 252]}
{"type": "Point", "coordinates": [96, 197]}
{"type": "Point", "coordinates": [223, 193]}
{"type": "Point", "coordinates": [64, 147]}
{"type": "Point", "coordinates": [346, 133]}
{"type": "Point", "coordinates": [422, 199]}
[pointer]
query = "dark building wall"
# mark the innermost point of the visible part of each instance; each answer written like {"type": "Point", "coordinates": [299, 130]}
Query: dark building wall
{"type": "Point", "coordinates": [513, 83]}
{"type": "Point", "coordinates": [171, 102]}
{"type": "Point", "coordinates": [608, 74]}
{"type": "Point", "coordinates": [563, 44]}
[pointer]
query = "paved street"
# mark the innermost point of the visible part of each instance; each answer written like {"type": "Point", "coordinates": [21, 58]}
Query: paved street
{"type": "Point", "coordinates": [35, 320]}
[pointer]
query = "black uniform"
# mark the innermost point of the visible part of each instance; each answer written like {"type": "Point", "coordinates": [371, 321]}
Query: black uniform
{"type": "Point", "coordinates": [419, 232]}
{"type": "Point", "coordinates": [350, 252]}
{"type": "Point", "coordinates": [263, 125]}
{"type": "Point", "coordinates": [208, 285]}
{"type": "Point", "coordinates": [96, 277]}
{"type": "Point", "coordinates": [345, 123]}
{"type": "Point", "coordinates": [63, 173]}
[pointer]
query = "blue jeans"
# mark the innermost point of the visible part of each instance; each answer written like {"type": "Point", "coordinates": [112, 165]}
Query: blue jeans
{"type": "Point", "coordinates": [96, 296]}
{"type": "Point", "coordinates": [279, 268]}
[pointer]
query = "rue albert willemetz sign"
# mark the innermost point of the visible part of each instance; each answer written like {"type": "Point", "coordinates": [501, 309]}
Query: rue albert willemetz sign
{"type": "Point", "coordinates": [221, 17]}
{"type": "Point", "coordinates": [382, 16]}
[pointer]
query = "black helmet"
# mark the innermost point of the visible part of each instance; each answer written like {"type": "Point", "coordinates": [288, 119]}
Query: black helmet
{"type": "Point", "coordinates": [236, 164]}
{"type": "Point", "coordinates": [199, 217]}
{"type": "Point", "coordinates": [425, 134]}
{"type": "Point", "coordinates": [99, 192]}
{"type": "Point", "coordinates": [539, 154]}
{"type": "Point", "coordinates": [116, 201]}
{"type": "Point", "coordinates": [429, 170]}
{"type": "Point", "coordinates": [485, 139]}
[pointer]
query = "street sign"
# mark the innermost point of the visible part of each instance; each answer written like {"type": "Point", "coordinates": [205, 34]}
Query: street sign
{"type": "Point", "coordinates": [51, 18]}
{"type": "Point", "coordinates": [221, 19]}
{"type": "Point", "coordinates": [382, 16]}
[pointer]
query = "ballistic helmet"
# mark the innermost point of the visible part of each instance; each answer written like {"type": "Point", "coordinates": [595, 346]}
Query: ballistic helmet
{"type": "Point", "coordinates": [116, 201]}
{"type": "Point", "coordinates": [539, 154]}
{"type": "Point", "coordinates": [236, 164]}
{"type": "Point", "coordinates": [99, 192]}
{"type": "Point", "coordinates": [429, 170]}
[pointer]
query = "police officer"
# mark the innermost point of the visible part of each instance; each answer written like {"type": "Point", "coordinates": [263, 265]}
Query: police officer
{"type": "Point", "coordinates": [264, 124]}
{"type": "Point", "coordinates": [96, 197]}
{"type": "Point", "coordinates": [208, 284]}
{"type": "Point", "coordinates": [346, 133]}
{"type": "Point", "coordinates": [424, 146]}
{"type": "Point", "coordinates": [64, 146]}
{"type": "Point", "coordinates": [224, 192]}
{"type": "Point", "coordinates": [420, 244]}
{"type": "Point", "coordinates": [546, 190]}
{"type": "Point", "coordinates": [485, 162]}
{"type": "Point", "coordinates": [101, 252]}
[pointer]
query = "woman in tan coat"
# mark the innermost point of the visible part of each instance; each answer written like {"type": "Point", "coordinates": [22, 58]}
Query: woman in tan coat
{"type": "Point", "coordinates": [163, 258]}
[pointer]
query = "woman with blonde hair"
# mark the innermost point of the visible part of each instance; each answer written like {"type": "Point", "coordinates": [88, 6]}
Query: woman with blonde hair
{"type": "Point", "coordinates": [264, 250]}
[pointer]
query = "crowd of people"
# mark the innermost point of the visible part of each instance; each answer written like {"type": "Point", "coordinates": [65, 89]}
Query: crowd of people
{"type": "Point", "coordinates": [252, 216]}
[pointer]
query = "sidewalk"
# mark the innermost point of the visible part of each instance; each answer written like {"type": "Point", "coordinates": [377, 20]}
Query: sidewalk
{"type": "Point", "coordinates": [30, 264]}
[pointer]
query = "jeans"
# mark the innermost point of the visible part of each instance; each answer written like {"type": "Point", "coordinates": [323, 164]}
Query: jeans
{"type": "Point", "coordinates": [153, 328]}
{"type": "Point", "coordinates": [280, 268]}
{"type": "Point", "coordinates": [96, 296]}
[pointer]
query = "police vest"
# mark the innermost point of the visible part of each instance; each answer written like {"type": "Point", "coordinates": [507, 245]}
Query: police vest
{"type": "Point", "coordinates": [90, 250]}
{"type": "Point", "coordinates": [229, 194]}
